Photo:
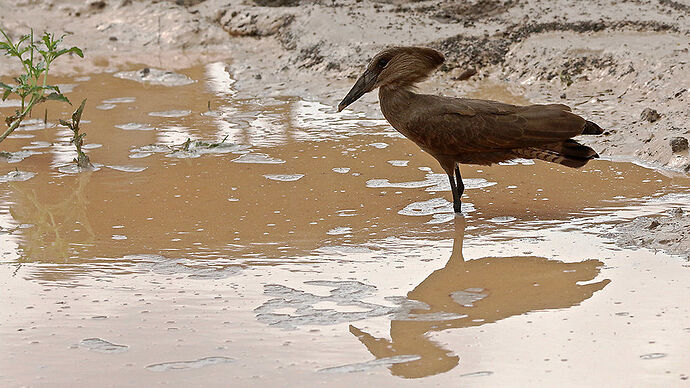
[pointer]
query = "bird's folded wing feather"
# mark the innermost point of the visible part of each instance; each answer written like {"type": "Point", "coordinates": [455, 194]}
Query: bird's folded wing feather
{"type": "Point", "coordinates": [454, 125]}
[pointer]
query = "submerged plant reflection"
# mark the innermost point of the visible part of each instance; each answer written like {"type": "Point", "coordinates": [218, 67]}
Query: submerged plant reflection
{"type": "Point", "coordinates": [51, 225]}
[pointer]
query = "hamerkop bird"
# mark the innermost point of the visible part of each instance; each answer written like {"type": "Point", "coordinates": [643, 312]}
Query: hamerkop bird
{"type": "Point", "coordinates": [459, 130]}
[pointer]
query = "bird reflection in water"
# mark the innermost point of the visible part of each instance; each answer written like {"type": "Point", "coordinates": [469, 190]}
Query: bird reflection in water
{"type": "Point", "coordinates": [477, 292]}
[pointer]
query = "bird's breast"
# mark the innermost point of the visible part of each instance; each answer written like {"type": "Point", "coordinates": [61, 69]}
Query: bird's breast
{"type": "Point", "coordinates": [397, 107]}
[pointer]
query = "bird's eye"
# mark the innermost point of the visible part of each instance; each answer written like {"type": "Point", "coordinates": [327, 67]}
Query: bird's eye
{"type": "Point", "coordinates": [382, 62]}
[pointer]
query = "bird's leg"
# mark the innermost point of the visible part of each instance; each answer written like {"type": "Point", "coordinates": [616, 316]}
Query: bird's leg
{"type": "Point", "coordinates": [457, 205]}
{"type": "Point", "coordinates": [461, 186]}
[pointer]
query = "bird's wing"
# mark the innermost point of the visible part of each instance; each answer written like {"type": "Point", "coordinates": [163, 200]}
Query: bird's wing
{"type": "Point", "coordinates": [454, 125]}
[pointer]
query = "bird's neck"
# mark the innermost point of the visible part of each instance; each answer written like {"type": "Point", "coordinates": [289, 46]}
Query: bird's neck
{"type": "Point", "coordinates": [395, 102]}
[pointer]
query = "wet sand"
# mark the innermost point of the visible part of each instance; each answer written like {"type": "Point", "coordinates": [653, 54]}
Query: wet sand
{"type": "Point", "coordinates": [287, 244]}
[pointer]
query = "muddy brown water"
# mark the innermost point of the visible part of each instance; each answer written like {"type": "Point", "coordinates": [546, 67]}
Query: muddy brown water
{"type": "Point", "coordinates": [308, 247]}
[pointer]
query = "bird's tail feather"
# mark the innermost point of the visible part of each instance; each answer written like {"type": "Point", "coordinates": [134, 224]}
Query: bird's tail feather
{"type": "Point", "coordinates": [568, 153]}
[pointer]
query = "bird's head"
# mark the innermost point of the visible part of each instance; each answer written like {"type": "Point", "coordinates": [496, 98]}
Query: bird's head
{"type": "Point", "coordinates": [394, 67]}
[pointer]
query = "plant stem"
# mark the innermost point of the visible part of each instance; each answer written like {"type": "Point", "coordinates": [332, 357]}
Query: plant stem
{"type": "Point", "coordinates": [16, 122]}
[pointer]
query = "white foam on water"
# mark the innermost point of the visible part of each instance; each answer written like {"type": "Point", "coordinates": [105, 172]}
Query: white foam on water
{"type": "Point", "coordinates": [480, 373]}
{"type": "Point", "coordinates": [135, 127]}
{"type": "Point", "coordinates": [284, 177]}
{"type": "Point", "coordinates": [380, 183]}
{"type": "Point", "coordinates": [467, 297]}
{"type": "Point", "coordinates": [432, 182]}
{"type": "Point", "coordinates": [18, 156]}
{"type": "Point", "coordinates": [72, 168]}
{"type": "Point", "coordinates": [37, 144]}
{"type": "Point", "coordinates": [195, 150]}
{"type": "Point", "coordinates": [441, 218]}
{"type": "Point", "coordinates": [427, 208]}
{"type": "Point", "coordinates": [171, 113]}
{"type": "Point", "coordinates": [17, 176]}
{"type": "Point", "coordinates": [653, 356]}
{"type": "Point", "coordinates": [379, 145]}
{"type": "Point", "coordinates": [195, 364]}
{"type": "Point", "coordinates": [170, 266]}
{"type": "Point", "coordinates": [102, 346]}
{"type": "Point", "coordinates": [119, 100]}
{"type": "Point", "coordinates": [139, 155]}
{"type": "Point", "coordinates": [258, 158]}
{"type": "Point", "coordinates": [502, 219]}
{"type": "Point", "coordinates": [35, 125]}
{"type": "Point", "coordinates": [341, 170]}
{"type": "Point", "coordinates": [152, 148]}
{"type": "Point", "coordinates": [128, 168]}
{"type": "Point", "coordinates": [369, 365]}
{"type": "Point", "coordinates": [339, 230]}
{"type": "Point", "coordinates": [399, 163]}
{"type": "Point", "coordinates": [91, 146]}
{"type": "Point", "coordinates": [432, 207]}
{"type": "Point", "coordinates": [349, 295]}
{"type": "Point", "coordinates": [155, 77]}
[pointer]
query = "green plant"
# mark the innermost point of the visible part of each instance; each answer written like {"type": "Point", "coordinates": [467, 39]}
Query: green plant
{"type": "Point", "coordinates": [32, 87]}
{"type": "Point", "coordinates": [77, 139]}
{"type": "Point", "coordinates": [201, 144]}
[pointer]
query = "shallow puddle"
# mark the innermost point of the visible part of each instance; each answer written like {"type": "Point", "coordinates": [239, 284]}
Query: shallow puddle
{"type": "Point", "coordinates": [272, 240]}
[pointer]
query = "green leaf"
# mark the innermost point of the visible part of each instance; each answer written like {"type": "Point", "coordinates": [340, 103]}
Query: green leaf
{"type": "Point", "coordinates": [57, 97]}
{"type": "Point", "coordinates": [50, 42]}
{"type": "Point", "coordinates": [46, 39]}
{"type": "Point", "coordinates": [51, 87]}
{"type": "Point", "coordinates": [6, 94]}
{"type": "Point", "coordinates": [5, 86]}
{"type": "Point", "coordinates": [22, 39]}
{"type": "Point", "coordinates": [65, 123]}
{"type": "Point", "coordinates": [60, 52]}
{"type": "Point", "coordinates": [40, 67]}
{"type": "Point", "coordinates": [77, 50]}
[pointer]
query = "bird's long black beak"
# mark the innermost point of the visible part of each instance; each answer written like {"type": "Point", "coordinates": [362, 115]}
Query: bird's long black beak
{"type": "Point", "coordinates": [364, 84]}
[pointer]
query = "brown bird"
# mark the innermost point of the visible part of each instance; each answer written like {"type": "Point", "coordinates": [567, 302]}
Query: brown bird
{"type": "Point", "coordinates": [459, 130]}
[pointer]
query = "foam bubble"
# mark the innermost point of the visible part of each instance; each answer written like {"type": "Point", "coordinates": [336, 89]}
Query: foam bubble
{"type": "Point", "coordinates": [135, 127]}
{"type": "Point", "coordinates": [17, 176]}
{"type": "Point", "coordinates": [339, 230]}
{"type": "Point", "coordinates": [257, 158]}
{"type": "Point", "coordinates": [120, 100]}
{"type": "Point", "coordinates": [195, 364]}
{"type": "Point", "coordinates": [102, 346]}
{"type": "Point", "coordinates": [171, 113]}
{"type": "Point", "coordinates": [369, 365]}
{"type": "Point", "coordinates": [284, 177]}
